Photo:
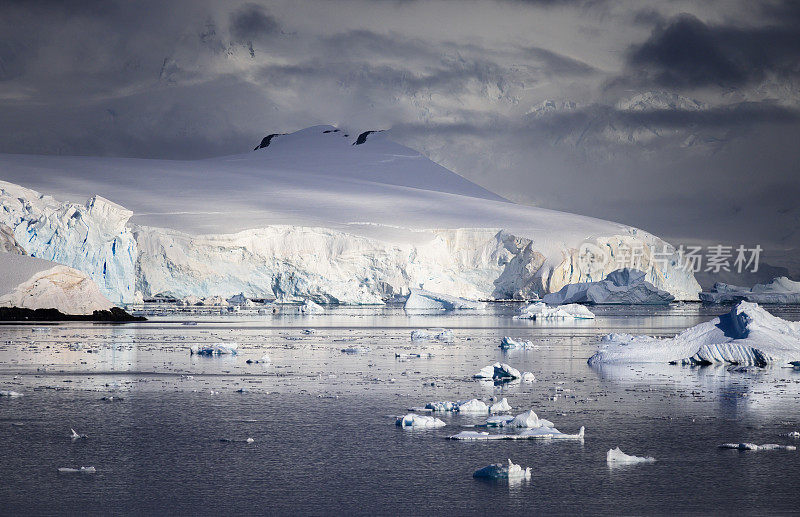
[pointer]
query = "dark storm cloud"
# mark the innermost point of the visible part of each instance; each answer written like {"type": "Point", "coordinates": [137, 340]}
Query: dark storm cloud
{"type": "Point", "coordinates": [686, 52]}
{"type": "Point", "coordinates": [252, 23]}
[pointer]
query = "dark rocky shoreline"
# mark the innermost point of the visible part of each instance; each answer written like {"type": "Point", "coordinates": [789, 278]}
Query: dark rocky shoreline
{"type": "Point", "coordinates": [115, 315]}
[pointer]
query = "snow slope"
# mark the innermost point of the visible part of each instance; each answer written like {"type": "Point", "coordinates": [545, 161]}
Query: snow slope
{"type": "Point", "coordinates": [33, 283]}
{"type": "Point", "coordinates": [311, 215]}
{"type": "Point", "coordinates": [747, 336]}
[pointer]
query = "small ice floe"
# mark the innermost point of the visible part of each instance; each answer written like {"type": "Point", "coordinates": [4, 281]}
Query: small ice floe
{"type": "Point", "coordinates": [528, 377]}
{"type": "Point", "coordinates": [500, 407]}
{"type": "Point", "coordinates": [503, 471]}
{"type": "Point", "coordinates": [249, 440]}
{"type": "Point", "coordinates": [308, 332]}
{"type": "Point", "coordinates": [422, 300]}
{"type": "Point", "coordinates": [111, 398]}
{"type": "Point", "coordinates": [539, 433]}
{"type": "Point", "coordinates": [233, 440]}
{"type": "Point", "coordinates": [82, 470]}
{"type": "Point", "coordinates": [473, 406]}
{"type": "Point", "coordinates": [617, 457]}
{"type": "Point", "coordinates": [509, 343]}
{"type": "Point", "coordinates": [9, 393]}
{"type": "Point", "coordinates": [214, 349]}
{"type": "Point", "coordinates": [540, 311]}
{"type": "Point", "coordinates": [526, 420]}
{"type": "Point", "coordinates": [76, 436]}
{"type": "Point", "coordinates": [794, 434]}
{"type": "Point", "coordinates": [356, 350]}
{"type": "Point", "coordinates": [754, 447]}
{"type": "Point", "coordinates": [310, 307]}
{"type": "Point", "coordinates": [189, 323]}
{"type": "Point", "coordinates": [498, 372]}
{"type": "Point", "coordinates": [433, 334]}
{"type": "Point", "coordinates": [419, 421]}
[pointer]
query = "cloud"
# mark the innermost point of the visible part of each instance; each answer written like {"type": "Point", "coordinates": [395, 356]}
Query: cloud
{"type": "Point", "coordinates": [251, 23]}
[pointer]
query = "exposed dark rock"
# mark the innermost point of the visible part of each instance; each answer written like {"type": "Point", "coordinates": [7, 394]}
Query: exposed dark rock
{"type": "Point", "coordinates": [115, 315]}
{"type": "Point", "coordinates": [363, 136]}
{"type": "Point", "coordinates": [266, 141]}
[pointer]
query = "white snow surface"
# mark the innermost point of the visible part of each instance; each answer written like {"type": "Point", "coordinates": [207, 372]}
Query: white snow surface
{"type": "Point", "coordinates": [33, 283]}
{"type": "Point", "coordinates": [540, 310]}
{"type": "Point", "coordinates": [422, 300]}
{"type": "Point", "coordinates": [748, 336]}
{"type": "Point", "coordinates": [779, 290]}
{"type": "Point", "coordinates": [503, 471]}
{"type": "Point", "coordinates": [617, 457]}
{"type": "Point", "coordinates": [311, 216]}
{"type": "Point", "coordinates": [623, 286]}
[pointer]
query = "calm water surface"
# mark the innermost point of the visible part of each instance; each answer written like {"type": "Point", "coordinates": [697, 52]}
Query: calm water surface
{"type": "Point", "coordinates": [323, 420]}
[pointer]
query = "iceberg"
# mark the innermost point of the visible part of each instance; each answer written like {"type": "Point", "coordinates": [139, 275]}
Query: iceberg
{"type": "Point", "coordinates": [82, 470]}
{"type": "Point", "coordinates": [310, 307]}
{"type": "Point", "coordinates": [509, 343]}
{"type": "Point", "coordinates": [746, 336]}
{"type": "Point", "coordinates": [422, 300]}
{"type": "Point", "coordinates": [617, 457]}
{"type": "Point", "coordinates": [214, 349]}
{"type": "Point", "coordinates": [433, 334]}
{"type": "Point", "coordinates": [539, 433]}
{"type": "Point", "coordinates": [503, 471]}
{"type": "Point", "coordinates": [474, 406]}
{"type": "Point", "coordinates": [540, 310]}
{"type": "Point", "coordinates": [754, 447]}
{"type": "Point", "coordinates": [356, 350]}
{"type": "Point", "coordinates": [528, 377]}
{"type": "Point", "coordinates": [9, 393]}
{"type": "Point", "coordinates": [76, 436]}
{"type": "Point", "coordinates": [352, 225]}
{"type": "Point", "coordinates": [526, 420]}
{"type": "Point", "coordinates": [779, 290]}
{"type": "Point", "coordinates": [500, 407]}
{"type": "Point", "coordinates": [419, 421]}
{"type": "Point", "coordinates": [498, 372]}
{"type": "Point", "coordinates": [623, 286]}
{"type": "Point", "coordinates": [32, 283]}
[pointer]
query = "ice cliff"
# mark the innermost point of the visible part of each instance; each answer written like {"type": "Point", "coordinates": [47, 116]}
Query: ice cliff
{"type": "Point", "coordinates": [310, 216]}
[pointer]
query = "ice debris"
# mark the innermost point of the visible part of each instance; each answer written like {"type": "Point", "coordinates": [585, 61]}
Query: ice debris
{"type": "Point", "coordinates": [500, 407]}
{"type": "Point", "coordinates": [310, 307]}
{"type": "Point", "coordinates": [623, 286]}
{"type": "Point", "coordinates": [356, 350]}
{"type": "Point", "coordinates": [467, 406]}
{"type": "Point", "coordinates": [526, 420]}
{"type": "Point", "coordinates": [422, 300]}
{"type": "Point", "coordinates": [746, 336]}
{"type": "Point", "coordinates": [503, 471]}
{"type": "Point", "coordinates": [433, 334]}
{"type": "Point", "coordinates": [754, 447]}
{"type": "Point", "coordinates": [509, 343]}
{"type": "Point", "coordinates": [421, 421]}
{"type": "Point", "coordinates": [528, 377]}
{"type": "Point", "coordinates": [538, 433]}
{"type": "Point", "coordinates": [539, 311]}
{"type": "Point", "coordinates": [82, 470]}
{"type": "Point", "coordinates": [76, 436]}
{"type": "Point", "coordinates": [9, 393]}
{"type": "Point", "coordinates": [214, 349]}
{"type": "Point", "coordinates": [498, 372]}
{"type": "Point", "coordinates": [617, 457]}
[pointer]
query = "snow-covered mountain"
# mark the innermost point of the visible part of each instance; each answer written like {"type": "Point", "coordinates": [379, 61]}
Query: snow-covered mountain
{"type": "Point", "coordinates": [319, 213]}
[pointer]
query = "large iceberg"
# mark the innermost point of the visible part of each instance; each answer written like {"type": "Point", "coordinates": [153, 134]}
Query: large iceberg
{"type": "Point", "coordinates": [748, 335]}
{"type": "Point", "coordinates": [353, 224]}
{"type": "Point", "coordinates": [779, 290]}
{"type": "Point", "coordinates": [422, 300]}
{"type": "Point", "coordinates": [623, 286]}
{"type": "Point", "coordinates": [33, 283]}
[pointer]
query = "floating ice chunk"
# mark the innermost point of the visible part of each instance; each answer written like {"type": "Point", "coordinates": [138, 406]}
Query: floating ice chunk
{"type": "Point", "coordinates": [540, 433]}
{"type": "Point", "coordinates": [503, 471]}
{"type": "Point", "coordinates": [412, 356]}
{"type": "Point", "coordinates": [500, 407]}
{"type": "Point", "coordinates": [498, 420]}
{"type": "Point", "coordinates": [308, 332]}
{"type": "Point", "coordinates": [617, 457]}
{"type": "Point", "coordinates": [754, 447]}
{"type": "Point", "coordinates": [542, 311]}
{"type": "Point", "coordinates": [76, 436]}
{"type": "Point", "coordinates": [528, 377]}
{"type": "Point", "coordinates": [433, 334]}
{"type": "Point", "coordinates": [421, 421]}
{"type": "Point", "coordinates": [214, 349]}
{"type": "Point", "coordinates": [444, 407]}
{"type": "Point", "coordinates": [356, 350]}
{"type": "Point", "coordinates": [472, 406]}
{"type": "Point", "coordinates": [794, 434]}
{"type": "Point", "coordinates": [189, 323]}
{"type": "Point", "coordinates": [9, 393]}
{"type": "Point", "coordinates": [623, 286]}
{"type": "Point", "coordinates": [498, 372]}
{"type": "Point", "coordinates": [779, 290]}
{"type": "Point", "coordinates": [310, 307]}
{"type": "Point", "coordinates": [82, 470]}
{"type": "Point", "coordinates": [509, 343]}
{"type": "Point", "coordinates": [422, 300]}
{"type": "Point", "coordinates": [529, 420]}
{"type": "Point", "coordinates": [249, 440]}
{"type": "Point", "coordinates": [746, 336]}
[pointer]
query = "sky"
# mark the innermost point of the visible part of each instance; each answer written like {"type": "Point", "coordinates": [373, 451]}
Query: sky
{"type": "Point", "coordinates": [678, 117]}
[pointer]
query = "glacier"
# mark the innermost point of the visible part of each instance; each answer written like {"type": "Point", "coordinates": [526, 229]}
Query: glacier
{"type": "Point", "coordinates": [311, 216]}
{"type": "Point", "coordinates": [779, 290]}
{"type": "Point", "coordinates": [747, 336]}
